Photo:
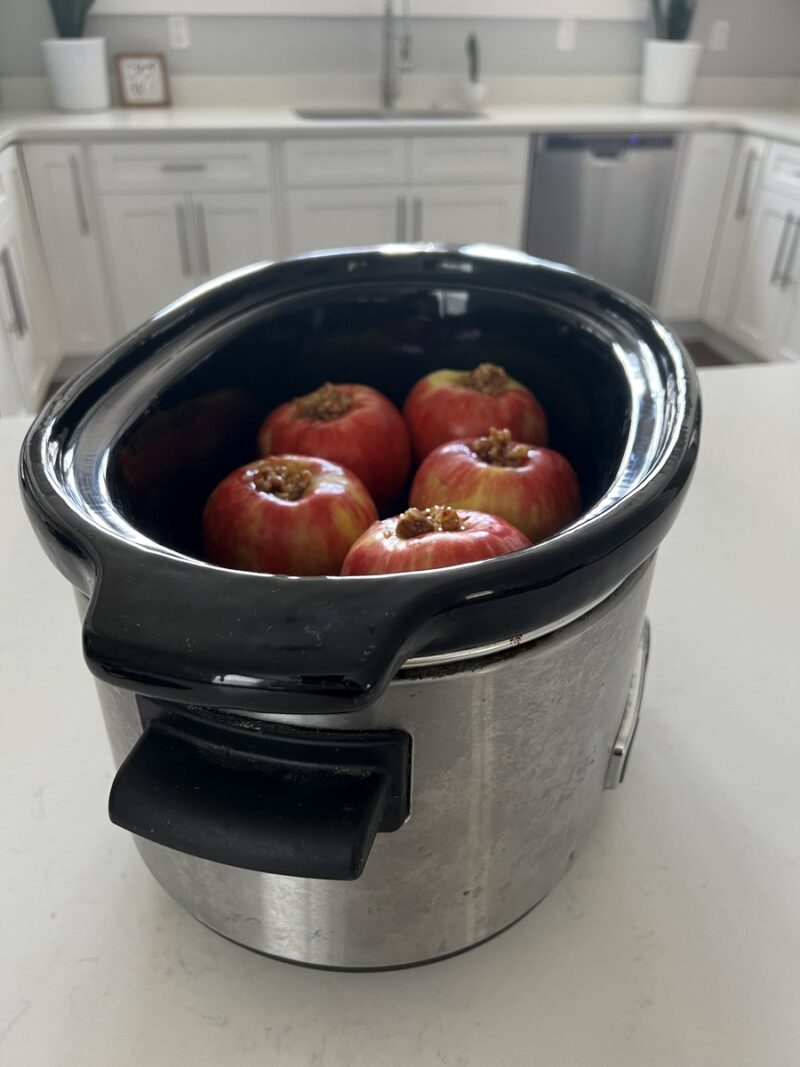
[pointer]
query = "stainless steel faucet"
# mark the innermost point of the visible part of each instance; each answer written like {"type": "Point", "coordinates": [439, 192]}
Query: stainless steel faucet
{"type": "Point", "coordinates": [396, 53]}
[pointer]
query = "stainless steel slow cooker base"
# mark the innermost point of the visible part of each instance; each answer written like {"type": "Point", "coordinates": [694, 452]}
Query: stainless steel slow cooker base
{"type": "Point", "coordinates": [510, 758]}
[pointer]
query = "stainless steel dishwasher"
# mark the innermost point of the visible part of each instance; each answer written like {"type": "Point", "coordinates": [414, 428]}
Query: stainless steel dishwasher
{"type": "Point", "coordinates": [599, 203]}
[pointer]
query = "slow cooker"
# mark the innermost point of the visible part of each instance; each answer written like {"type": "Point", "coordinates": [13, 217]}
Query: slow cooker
{"type": "Point", "coordinates": [363, 772]}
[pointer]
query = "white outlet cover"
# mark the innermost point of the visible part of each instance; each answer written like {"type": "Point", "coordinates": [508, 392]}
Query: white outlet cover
{"type": "Point", "coordinates": [178, 33]}
{"type": "Point", "coordinates": [720, 36]}
{"type": "Point", "coordinates": [566, 35]}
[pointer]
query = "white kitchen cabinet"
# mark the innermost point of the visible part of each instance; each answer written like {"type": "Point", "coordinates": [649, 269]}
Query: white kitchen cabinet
{"type": "Point", "coordinates": [161, 245]}
{"type": "Point", "coordinates": [67, 221]}
{"type": "Point", "coordinates": [32, 339]}
{"type": "Point", "coordinates": [740, 200]}
{"type": "Point", "coordinates": [233, 230]}
{"type": "Point", "coordinates": [345, 218]}
{"type": "Point", "coordinates": [474, 159]}
{"type": "Point", "coordinates": [789, 337]}
{"type": "Point", "coordinates": [761, 299]}
{"type": "Point", "coordinates": [695, 215]}
{"type": "Point", "coordinates": [30, 373]}
{"type": "Point", "coordinates": [181, 166]}
{"type": "Point", "coordinates": [325, 162]}
{"type": "Point", "coordinates": [11, 401]}
{"type": "Point", "coordinates": [152, 251]}
{"type": "Point", "coordinates": [456, 190]}
{"type": "Point", "coordinates": [453, 214]}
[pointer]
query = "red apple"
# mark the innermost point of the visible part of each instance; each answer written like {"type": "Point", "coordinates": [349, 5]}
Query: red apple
{"type": "Point", "coordinates": [286, 515]}
{"type": "Point", "coordinates": [534, 488]}
{"type": "Point", "coordinates": [451, 404]}
{"type": "Point", "coordinates": [348, 424]}
{"type": "Point", "coordinates": [436, 537]}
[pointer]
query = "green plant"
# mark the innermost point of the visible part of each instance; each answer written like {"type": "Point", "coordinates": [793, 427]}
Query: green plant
{"type": "Point", "coordinates": [673, 18]}
{"type": "Point", "coordinates": [70, 16]}
{"type": "Point", "coordinates": [473, 58]}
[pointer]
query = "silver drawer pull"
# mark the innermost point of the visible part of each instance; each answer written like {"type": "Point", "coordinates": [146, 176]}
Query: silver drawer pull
{"type": "Point", "coordinates": [183, 168]}
{"type": "Point", "coordinates": [77, 192]}
{"type": "Point", "coordinates": [787, 277]}
{"type": "Point", "coordinates": [20, 324]}
{"type": "Point", "coordinates": [416, 225]}
{"type": "Point", "coordinates": [202, 233]}
{"type": "Point", "coordinates": [777, 266]}
{"type": "Point", "coordinates": [183, 240]}
{"type": "Point", "coordinates": [743, 203]}
{"type": "Point", "coordinates": [402, 207]}
{"type": "Point", "coordinates": [620, 753]}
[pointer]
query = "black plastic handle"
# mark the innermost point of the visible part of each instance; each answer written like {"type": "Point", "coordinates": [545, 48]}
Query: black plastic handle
{"type": "Point", "coordinates": [282, 800]}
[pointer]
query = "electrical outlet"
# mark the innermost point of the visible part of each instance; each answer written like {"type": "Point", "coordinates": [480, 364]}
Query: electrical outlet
{"type": "Point", "coordinates": [178, 33]}
{"type": "Point", "coordinates": [566, 35]}
{"type": "Point", "coordinates": [720, 36]}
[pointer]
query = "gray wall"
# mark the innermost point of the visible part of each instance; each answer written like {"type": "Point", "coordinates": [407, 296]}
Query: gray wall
{"type": "Point", "coordinates": [765, 41]}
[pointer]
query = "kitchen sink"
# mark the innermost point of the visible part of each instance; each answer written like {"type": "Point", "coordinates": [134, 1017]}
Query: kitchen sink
{"type": "Point", "coordinates": [345, 114]}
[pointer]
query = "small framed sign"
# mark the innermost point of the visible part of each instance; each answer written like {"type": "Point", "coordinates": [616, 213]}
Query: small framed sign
{"type": "Point", "coordinates": [142, 78]}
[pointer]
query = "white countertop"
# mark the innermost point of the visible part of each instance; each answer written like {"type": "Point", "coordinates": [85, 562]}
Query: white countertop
{"type": "Point", "coordinates": [778, 123]}
{"type": "Point", "coordinates": [673, 940]}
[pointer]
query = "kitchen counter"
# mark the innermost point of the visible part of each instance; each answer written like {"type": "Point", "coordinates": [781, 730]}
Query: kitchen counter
{"type": "Point", "coordinates": [674, 938]}
{"type": "Point", "coordinates": [779, 123]}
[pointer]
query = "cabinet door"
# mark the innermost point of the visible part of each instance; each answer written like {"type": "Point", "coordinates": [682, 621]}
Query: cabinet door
{"type": "Point", "coordinates": [759, 301]}
{"type": "Point", "coordinates": [11, 402]}
{"type": "Point", "coordinates": [67, 220]}
{"type": "Point", "coordinates": [233, 230]}
{"type": "Point", "coordinates": [696, 211]}
{"type": "Point", "coordinates": [469, 214]}
{"type": "Point", "coordinates": [345, 218]}
{"type": "Point", "coordinates": [32, 374]}
{"type": "Point", "coordinates": [740, 200]}
{"type": "Point", "coordinates": [789, 344]}
{"type": "Point", "coordinates": [153, 253]}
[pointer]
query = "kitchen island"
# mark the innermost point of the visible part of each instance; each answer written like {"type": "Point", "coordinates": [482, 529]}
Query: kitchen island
{"type": "Point", "coordinates": [674, 938]}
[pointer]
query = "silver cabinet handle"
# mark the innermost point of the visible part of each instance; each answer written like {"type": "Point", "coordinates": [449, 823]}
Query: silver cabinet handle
{"type": "Point", "coordinates": [20, 324]}
{"type": "Point", "coordinates": [183, 239]}
{"type": "Point", "coordinates": [416, 225]}
{"type": "Point", "coordinates": [183, 168]}
{"type": "Point", "coordinates": [787, 277]}
{"type": "Point", "coordinates": [402, 210]}
{"type": "Point", "coordinates": [743, 203]}
{"type": "Point", "coordinates": [77, 190]}
{"type": "Point", "coordinates": [205, 259]}
{"type": "Point", "coordinates": [777, 272]}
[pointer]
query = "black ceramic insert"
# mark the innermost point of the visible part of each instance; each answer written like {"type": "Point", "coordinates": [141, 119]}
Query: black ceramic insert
{"type": "Point", "coordinates": [117, 468]}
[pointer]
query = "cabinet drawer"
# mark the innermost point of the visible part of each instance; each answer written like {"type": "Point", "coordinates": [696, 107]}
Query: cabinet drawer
{"type": "Point", "coordinates": [345, 161]}
{"type": "Point", "coordinates": [469, 159]}
{"type": "Point", "coordinates": [189, 167]}
{"type": "Point", "coordinates": [783, 169]}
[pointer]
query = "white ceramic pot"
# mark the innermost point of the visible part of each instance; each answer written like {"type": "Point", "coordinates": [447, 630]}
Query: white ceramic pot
{"type": "Point", "coordinates": [76, 67]}
{"type": "Point", "coordinates": [669, 71]}
{"type": "Point", "coordinates": [474, 94]}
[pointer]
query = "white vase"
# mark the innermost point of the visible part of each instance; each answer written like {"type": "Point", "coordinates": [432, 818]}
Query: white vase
{"type": "Point", "coordinates": [76, 67]}
{"type": "Point", "coordinates": [474, 94]}
{"type": "Point", "coordinates": [669, 71]}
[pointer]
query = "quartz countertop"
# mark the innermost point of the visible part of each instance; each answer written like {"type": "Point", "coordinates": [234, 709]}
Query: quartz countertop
{"type": "Point", "coordinates": [778, 123]}
{"type": "Point", "coordinates": [673, 939]}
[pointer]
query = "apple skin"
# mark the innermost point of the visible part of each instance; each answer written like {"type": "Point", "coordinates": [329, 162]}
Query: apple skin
{"type": "Point", "coordinates": [250, 529]}
{"type": "Point", "coordinates": [447, 405]}
{"type": "Point", "coordinates": [539, 496]}
{"type": "Point", "coordinates": [370, 438]}
{"type": "Point", "coordinates": [381, 550]}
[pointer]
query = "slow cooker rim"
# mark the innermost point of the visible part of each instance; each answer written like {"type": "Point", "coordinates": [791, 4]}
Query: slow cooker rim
{"type": "Point", "coordinates": [603, 510]}
{"type": "Point", "coordinates": [596, 551]}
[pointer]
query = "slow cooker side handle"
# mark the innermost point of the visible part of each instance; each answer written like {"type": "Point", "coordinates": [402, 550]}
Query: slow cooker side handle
{"type": "Point", "coordinates": [292, 802]}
